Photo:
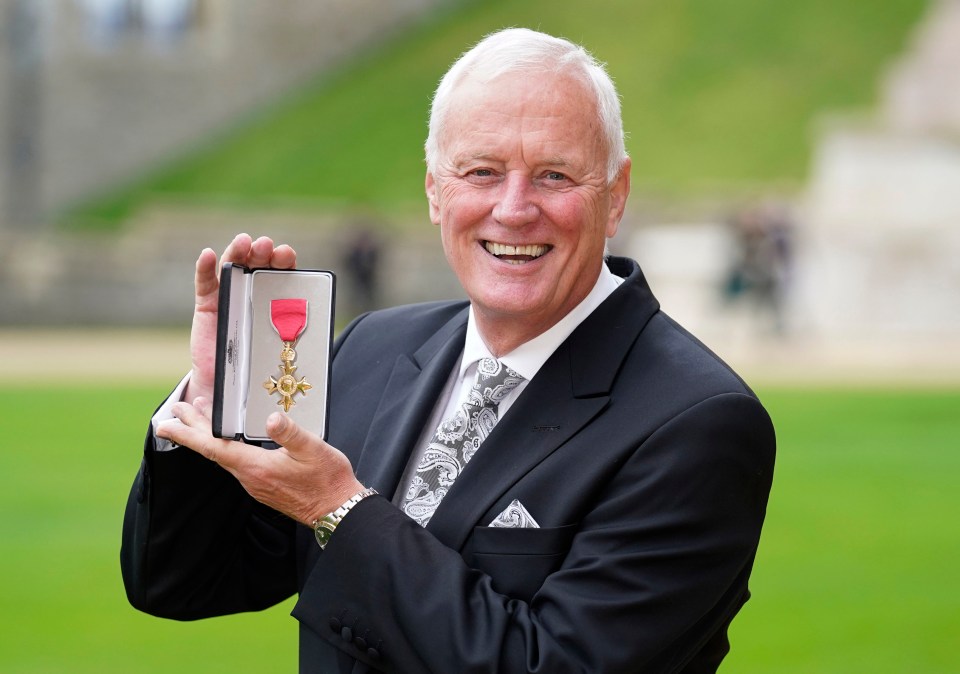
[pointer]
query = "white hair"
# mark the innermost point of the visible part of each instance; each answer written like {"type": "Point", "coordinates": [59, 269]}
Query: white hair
{"type": "Point", "coordinates": [524, 50]}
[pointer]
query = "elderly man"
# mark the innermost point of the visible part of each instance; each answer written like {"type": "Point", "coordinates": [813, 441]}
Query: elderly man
{"type": "Point", "coordinates": [568, 481]}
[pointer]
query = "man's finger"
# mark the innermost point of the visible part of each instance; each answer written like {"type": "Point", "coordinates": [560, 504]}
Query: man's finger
{"type": "Point", "coordinates": [285, 431]}
{"type": "Point", "coordinates": [191, 416]}
{"type": "Point", "coordinates": [260, 253]}
{"type": "Point", "coordinates": [231, 455]}
{"type": "Point", "coordinates": [205, 278]}
{"type": "Point", "coordinates": [197, 439]}
{"type": "Point", "coordinates": [284, 257]}
{"type": "Point", "coordinates": [238, 250]}
{"type": "Point", "coordinates": [204, 406]}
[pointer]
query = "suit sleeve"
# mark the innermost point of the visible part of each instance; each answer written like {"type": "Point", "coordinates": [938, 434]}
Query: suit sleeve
{"type": "Point", "coordinates": [196, 545]}
{"type": "Point", "coordinates": [656, 568]}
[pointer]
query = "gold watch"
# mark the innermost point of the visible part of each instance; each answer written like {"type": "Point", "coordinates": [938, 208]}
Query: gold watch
{"type": "Point", "coordinates": [324, 527]}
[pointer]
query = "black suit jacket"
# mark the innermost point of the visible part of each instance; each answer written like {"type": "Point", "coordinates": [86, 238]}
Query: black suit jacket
{"type": "Point", "coordinates": [646, 461]}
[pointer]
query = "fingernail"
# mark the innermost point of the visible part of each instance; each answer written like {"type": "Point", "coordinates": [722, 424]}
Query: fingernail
{"type": "Point", "coordinates": [278, 421]}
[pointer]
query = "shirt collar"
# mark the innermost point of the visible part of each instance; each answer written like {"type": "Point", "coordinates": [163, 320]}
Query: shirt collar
{"type": "Point", "coordinates": [529, 357]}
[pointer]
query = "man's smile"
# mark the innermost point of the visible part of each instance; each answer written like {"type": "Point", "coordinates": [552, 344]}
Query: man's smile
{"type": "Point", "coordinates": [516, 254]}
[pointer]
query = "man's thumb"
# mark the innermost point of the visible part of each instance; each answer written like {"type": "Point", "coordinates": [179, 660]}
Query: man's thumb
{"type": "Point", "coordinates": [282, 429]}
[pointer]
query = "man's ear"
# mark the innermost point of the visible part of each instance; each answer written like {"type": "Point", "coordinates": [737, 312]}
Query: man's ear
{"type": "Point", "coordinates": [619, 191]}
{"type": "Point", "coordinates": [430, 186]}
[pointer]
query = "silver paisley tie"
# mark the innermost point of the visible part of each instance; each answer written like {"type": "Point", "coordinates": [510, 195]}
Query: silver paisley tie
{"type": "Point", "coordinates": [456, 439]}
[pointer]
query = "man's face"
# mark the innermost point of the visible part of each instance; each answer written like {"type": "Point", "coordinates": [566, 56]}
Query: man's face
{"type": "Point", "coordinates": [520, 193]}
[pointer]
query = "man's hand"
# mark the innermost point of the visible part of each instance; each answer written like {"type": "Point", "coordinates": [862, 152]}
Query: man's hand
{"type": "Point", "coordinates": [203, 336]}
{"type": "Point", "coordinates": [305, 478]}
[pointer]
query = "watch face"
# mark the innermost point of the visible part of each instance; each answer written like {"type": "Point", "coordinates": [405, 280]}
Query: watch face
{"type": "Point", "coordinates": [323, 536]}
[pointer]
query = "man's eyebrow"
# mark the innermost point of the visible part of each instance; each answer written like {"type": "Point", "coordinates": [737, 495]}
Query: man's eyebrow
{"type": "Point", "coordinates": [467, 158]}
{"type": "Point", "coordinates": [471, 157]}
{"type": "Point", "coordinates": [556, 161]}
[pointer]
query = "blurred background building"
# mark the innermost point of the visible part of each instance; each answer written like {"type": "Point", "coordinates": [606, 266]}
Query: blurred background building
{"type": "Point", "coordinates": [881, 254]}
{"type": "Point", "coordinates": [864, 261]}
{"type": "Point", "coordinates": [96, 91]}
{"type": "Point", "coordinates": [96, 95]}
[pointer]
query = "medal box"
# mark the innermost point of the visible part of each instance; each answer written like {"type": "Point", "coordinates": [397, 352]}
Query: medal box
{"type": "Point", "coordinates": [274, 338]}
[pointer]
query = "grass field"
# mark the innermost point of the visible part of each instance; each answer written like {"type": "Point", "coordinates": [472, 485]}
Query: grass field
{"type": "Point", "coordinates": [717, 96]}
{"type": "Point", "coordinates": [856, 573]}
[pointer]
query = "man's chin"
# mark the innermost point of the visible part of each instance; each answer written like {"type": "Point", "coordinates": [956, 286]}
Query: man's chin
{"type": "Point", "coordinates": [523, 303]}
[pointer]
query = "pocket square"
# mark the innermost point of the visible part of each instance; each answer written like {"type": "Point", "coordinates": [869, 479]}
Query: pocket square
{"type": "Point", "coordinates": [515, 516]}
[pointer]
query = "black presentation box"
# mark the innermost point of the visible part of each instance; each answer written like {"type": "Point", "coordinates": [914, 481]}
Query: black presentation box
{"type": "Point", "coordinates": [255, 375]}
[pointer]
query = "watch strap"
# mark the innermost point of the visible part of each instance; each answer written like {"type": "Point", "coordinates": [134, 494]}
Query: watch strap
{"type": "Point", "coordinates": [324, 527]}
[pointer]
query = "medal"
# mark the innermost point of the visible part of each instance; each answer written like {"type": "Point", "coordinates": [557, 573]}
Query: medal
{"type": "Point", "coordinates": [289, 318]}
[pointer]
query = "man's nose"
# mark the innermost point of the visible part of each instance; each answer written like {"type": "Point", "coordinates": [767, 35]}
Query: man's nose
{"type": "Point", "coordinates": [516, 203]}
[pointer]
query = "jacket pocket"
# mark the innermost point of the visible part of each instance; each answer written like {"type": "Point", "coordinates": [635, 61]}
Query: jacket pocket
{"type": "Point", "coordinates": [519, 560]}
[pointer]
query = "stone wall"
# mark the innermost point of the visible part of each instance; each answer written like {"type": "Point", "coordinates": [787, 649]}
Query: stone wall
{"type": "Point", "coordinates": [882, 235]}
{"type": "Point", "coordinates": [876, 246]}
{"type": "Point", "coordinates": [88, 101]}
{"type": "Point", "coordinates": [921, 92]}
{"type": "Point", "coordinates": [143, 276]}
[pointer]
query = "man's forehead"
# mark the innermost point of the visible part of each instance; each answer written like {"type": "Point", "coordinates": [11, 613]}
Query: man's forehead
{"type": "Point", "coordinates": [546, 110]}
{"type": "Point", "coordinates": [554, 143]}
{"type": "Point", "coordinates": [561, 84]}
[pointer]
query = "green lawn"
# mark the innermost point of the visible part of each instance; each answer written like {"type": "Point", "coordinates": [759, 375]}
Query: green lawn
{"type": "Point", "coordinates": [717, 96]}
{"type": "Point", "coordinates": [856, 573]}
{"type": "Point", "coordinates": [69, 457]}
{"type": "Point", "coordinates": [857, 570]}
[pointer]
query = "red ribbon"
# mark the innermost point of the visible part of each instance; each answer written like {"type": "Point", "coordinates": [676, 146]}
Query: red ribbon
{"type": "Point", "coordinates": [289, 317]}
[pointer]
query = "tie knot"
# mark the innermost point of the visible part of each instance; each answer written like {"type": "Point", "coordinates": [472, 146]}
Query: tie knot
{"type": "Point", "coordinates": [495, 380]}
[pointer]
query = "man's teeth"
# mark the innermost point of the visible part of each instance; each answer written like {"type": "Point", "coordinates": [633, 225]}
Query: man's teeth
{"type": "Point", "coordinates": [532, 250]}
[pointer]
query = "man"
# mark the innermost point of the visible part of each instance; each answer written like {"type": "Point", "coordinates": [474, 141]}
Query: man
{"type": "Point", "coordinates": [636, 464]}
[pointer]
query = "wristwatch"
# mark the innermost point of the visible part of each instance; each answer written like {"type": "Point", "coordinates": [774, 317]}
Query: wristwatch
{"type": "Point", "coordinates": [324, 527]}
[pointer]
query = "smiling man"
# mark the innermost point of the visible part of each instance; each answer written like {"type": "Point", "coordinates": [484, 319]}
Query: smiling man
{"type": "Point", "coordinates": [568, 481]}
{"type": "Point", "coordinates": [519, 184]}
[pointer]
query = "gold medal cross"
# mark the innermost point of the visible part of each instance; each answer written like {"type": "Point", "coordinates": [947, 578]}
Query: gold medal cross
{"type": "Point", "coordinates": [287, 385]}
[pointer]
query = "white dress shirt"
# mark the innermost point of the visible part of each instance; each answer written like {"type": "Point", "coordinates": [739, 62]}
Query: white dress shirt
{"type": "Point", "coordinates": [165, 413]}
{"type": "Point", "coordinates": [526, 360]}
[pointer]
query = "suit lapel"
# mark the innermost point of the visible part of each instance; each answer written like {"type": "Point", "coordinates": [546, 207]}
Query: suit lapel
{"type": "Point", "coordinates": [570, 390]}
{"type": "Point", "coordinates": [544, 417]}
{"type": "Point", "coordinates": [407, 401]}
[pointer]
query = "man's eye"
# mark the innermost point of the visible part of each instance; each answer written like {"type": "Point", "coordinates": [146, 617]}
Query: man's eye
{"type": "Point", "coordinates": [556, 175]}
{"type": "Point", "coordinates": [482, 173]}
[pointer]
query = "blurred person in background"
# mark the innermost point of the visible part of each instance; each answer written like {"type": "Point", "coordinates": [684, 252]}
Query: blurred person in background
{"type": "Point", "coordinates": [362, 262]}
{"type": "Point", "coordinates": [762, 260]}
{"type": "Point", "coordinates": [568, 480]}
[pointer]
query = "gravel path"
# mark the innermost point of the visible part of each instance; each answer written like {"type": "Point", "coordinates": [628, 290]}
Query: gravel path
{"type": "Point", "coordinates": [128, 356]}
